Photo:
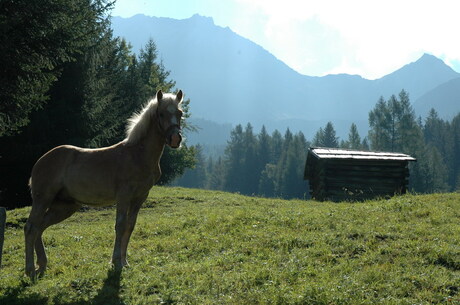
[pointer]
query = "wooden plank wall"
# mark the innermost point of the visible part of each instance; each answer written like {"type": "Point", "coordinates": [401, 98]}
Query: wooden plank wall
{"type": "Point", "coordinates": [345, 179]}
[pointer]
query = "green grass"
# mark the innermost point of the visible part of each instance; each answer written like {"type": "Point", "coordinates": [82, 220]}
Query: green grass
{"type": "Point", "coordinates": [204, 247]}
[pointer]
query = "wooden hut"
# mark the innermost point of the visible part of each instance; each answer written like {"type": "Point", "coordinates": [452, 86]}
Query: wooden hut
{"type": "Point", "coordinates": [339, 174]}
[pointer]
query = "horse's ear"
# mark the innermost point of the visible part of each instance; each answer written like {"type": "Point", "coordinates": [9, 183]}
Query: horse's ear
{"type": "Point", "coordinates": [179, 96]}
{"type": "Point", "coordinates": [159, 95]}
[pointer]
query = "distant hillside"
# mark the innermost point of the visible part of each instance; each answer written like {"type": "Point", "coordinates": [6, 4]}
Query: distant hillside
{"type": "Point", "coordinates": [417, 77]}
{"type": "Point", "coordinates": [445, 99]}
{"type": "Point", "coordinates": [230, 79]}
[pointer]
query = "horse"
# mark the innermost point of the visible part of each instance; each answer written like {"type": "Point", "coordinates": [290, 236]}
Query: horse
{"type": "Point", "coordinates": [68, 177]}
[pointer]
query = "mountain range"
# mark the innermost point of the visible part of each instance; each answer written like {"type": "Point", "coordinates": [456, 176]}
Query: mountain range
{"type": "Point", "coordinates": [230, 80]}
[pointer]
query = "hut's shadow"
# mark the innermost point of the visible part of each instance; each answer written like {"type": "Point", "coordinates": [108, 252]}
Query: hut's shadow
{"type": "Point", "coordinates": [110, 291]}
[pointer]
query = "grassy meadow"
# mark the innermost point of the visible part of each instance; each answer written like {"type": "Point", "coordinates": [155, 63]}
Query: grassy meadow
{"type": "Point", "coordinates": [205, 247]}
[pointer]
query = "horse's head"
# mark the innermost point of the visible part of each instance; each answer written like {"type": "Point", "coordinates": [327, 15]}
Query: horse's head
{"type": "Point", "coordinates": [169, 115]}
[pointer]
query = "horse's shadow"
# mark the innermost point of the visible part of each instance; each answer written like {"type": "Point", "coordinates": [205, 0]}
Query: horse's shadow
{"type": "Point", "coordinates": [108, 294]}
{"type": "Point", "coordinates": [110, 291]}
{"type": "Point", "coordinates": [14, 296]}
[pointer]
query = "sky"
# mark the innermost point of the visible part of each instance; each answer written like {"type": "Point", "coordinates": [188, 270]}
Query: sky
{"type": "Point", "coordinates": [371, 38]}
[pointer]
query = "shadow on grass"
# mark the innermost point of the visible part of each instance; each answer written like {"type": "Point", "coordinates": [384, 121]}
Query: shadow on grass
{"type": "Point", "coordinates": [110, 291]}
{"type": "Point", "coordinates": [14, 295]}
{"type": "Point", "coordinates": [108, 294]}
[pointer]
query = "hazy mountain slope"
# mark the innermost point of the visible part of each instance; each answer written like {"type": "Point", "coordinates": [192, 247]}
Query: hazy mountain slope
{"type": "Point", "coordinates": [229, 78]}
{"type": "Point", "coordinates": [233, 80]}
{"type": "Point", "coordinates": [417, 78]}
{"type": "Point", "coordinates": [445, 99]}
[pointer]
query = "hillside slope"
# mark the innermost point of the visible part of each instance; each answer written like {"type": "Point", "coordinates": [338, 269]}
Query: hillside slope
{"type": "Point", "coordinates": [205, 247]}
{"type": "Point", "coordinates": [445, 99]}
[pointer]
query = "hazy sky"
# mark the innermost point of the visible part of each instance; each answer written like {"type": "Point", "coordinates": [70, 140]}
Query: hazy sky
{"type": "Point", "coordinates": [367, 37]}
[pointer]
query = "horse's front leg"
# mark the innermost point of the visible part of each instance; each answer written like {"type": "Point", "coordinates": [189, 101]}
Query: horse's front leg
{"type": "Point", "coordinates": [131, 223]}
{"type": "Point", "coordinates": [120, 228]}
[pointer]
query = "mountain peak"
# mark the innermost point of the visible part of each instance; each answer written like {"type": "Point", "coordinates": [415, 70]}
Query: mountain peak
{"type": "Point", "coordinates": [430, 59]}
{"type": "Point", "coordinates": [202, 19]}
{"type": "Point", "coordinates": [419, 76]}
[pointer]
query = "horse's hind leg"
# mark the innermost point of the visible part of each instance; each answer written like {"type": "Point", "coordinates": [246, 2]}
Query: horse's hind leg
{"type": "Point", "coordinates": [59, 211]}
{"type": "Point", "coordinates": [32, 229]}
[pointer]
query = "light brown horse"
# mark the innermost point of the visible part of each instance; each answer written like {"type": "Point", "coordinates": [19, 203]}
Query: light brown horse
{"type": "Point", "coordinates": [67, 177]}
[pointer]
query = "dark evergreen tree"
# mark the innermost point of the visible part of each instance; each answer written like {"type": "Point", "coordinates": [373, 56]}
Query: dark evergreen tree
{"type": "Point", "coordinates": [291, 184]}
{"type": "Point", "coordinates": [216, 175]}
{"type": "Point", "coordinates": [276, 146]}
{"type": "Point", "coordinates": [195, 177]}
{"type": "Point", "coordinates": [365, 144]}
{"type": "Point", "coordinates": [354, 140]}
{"type": "Point", "coordinates": [66, 80]}
{"type": "Point", "coordinates": [326, 137]}
{"type": "Point", "coordinates": [94, 93]}
{"type": "Point", "coordinates": [263, 150]}
{"type": "Point", "coordinates": [409, 136]}
{"type": "Point", "coordinates": [318, 139]}
{"type": "Point", "coordinates": [437, 133]}
{"type": "Point", "coordinates": [393, 126]}
{"type": "Point", "coordinates": [234, 157]}
{"type": "Point", "coordinates": [250, 171]}
{"type": "Point", "coordinates": [38, 37]}
{"type": "Point", "coordinates": [380, 126]}
{"type": "Point", "coordinates": [455, 166]}
{"type": "Point", "coordinates": [267, 180]}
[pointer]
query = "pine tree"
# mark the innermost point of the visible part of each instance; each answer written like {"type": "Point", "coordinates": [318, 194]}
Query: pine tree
{"type": "Point", "coordinates": [455, 166]}
{"type": "Point", "coordinates": [216, 175]}
{"type": "Point", "coordinates": [263, 149]}
{"type": "Point", "coordinates": [267, 180]}
{"type": "Point", "coordinates": [38, 38]}
{"type": "Point", "coordinates": [318, 139]}
{"type": "Point", "coordinates": [437, 133]}
{"type": "Point", "coordinates": [234, 157]}
{"type": "Point", "coordinates": [292, 184]}
{"type": "Point", "coordinates": [89, 103]}
{"type": "Point", "coordinates": [326, 137]}
{"type": "Point", "coordinates": [195, 177]}
{"type": "Point", "coordinates": [354, 140]}
{"type": "Point", "coordinates": [276, 146]}
{"type": "Point", "coordinates": [65, 71]}
{"type": "Point", "coordinates": [250, 174]}
{"type": "Point", "coordinates": [379, 126]}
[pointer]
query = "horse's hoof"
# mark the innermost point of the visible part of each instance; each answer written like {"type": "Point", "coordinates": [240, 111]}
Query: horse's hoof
{"type": "Point", "coordinates": [118, 265]}
{"type": "Point", "coordinates": [32, 274]}
{"type": "Point", "coordinates": [40, 272]}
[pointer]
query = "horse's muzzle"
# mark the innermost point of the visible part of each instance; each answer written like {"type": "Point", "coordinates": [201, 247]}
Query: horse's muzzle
{"type": "Point", "coordinates": [174, 137]}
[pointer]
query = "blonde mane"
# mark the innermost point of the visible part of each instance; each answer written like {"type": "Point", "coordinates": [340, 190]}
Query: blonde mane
{"type": "Point", "coordinates": [139, 122]}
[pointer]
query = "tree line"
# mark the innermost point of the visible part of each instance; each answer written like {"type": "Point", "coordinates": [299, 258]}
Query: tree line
{"type": "Point", "coordinates": [273, 165]}
{"type": "Point", "coordinates": [65, 79]}
{"type": "Point", "coordinates": [253, 164]}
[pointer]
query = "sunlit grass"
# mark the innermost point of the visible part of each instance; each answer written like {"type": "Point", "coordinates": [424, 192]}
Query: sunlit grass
{"type": "Point", "coordinates": [204, 247]}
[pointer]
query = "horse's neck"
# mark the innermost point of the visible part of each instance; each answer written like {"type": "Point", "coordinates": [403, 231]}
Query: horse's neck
{"type": "Point", "coordinates": [151, 146]}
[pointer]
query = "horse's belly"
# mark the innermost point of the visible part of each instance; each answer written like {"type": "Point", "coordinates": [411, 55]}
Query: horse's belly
{"type": "Point", "coordinates": [89, 196]}
{"type": "Point", "coordinates": [93, 192]}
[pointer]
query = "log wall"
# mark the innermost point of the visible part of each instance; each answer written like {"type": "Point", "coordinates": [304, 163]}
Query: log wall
{"type": "Point", "coordinates": [354, 180]}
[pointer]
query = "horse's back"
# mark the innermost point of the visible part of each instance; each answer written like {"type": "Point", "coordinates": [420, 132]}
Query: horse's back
{"type": "Point", "coordinates": [76, 174]}
{"type": "Point", "coordinates": [48, 172]}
